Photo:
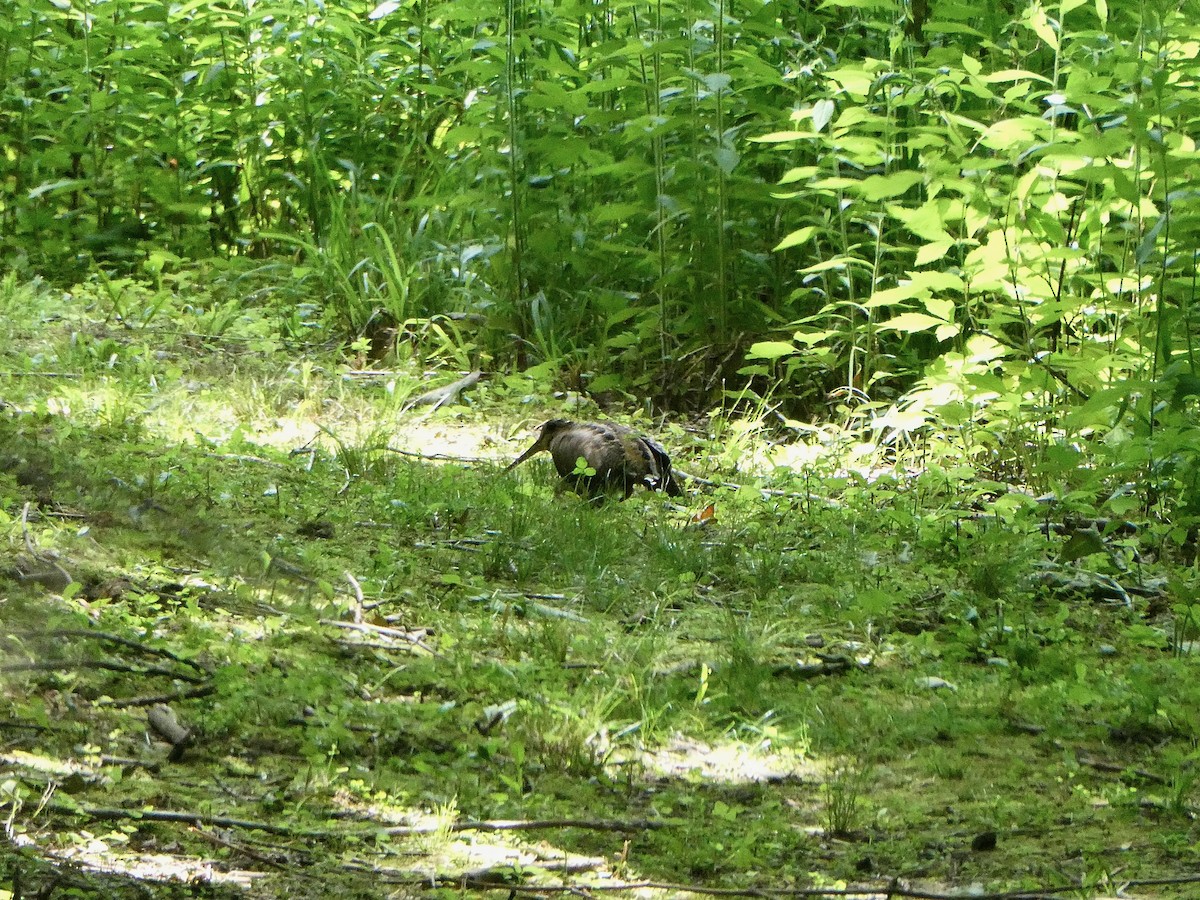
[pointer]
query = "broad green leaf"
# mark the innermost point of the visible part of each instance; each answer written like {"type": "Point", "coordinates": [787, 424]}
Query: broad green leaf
{"type": "Point", "coordinates": [939, 27]}
{"type": "Point", "coordinates": [214, 71]}
{"type": "Point", "coordinates": [1080, 544]}
{"type": "Point", "coordinates": [726, 159]}
{"type": "Point", "coordinates": [158, 260]}
{"type": "Point", "coordinates": [1086, 87]}
{"type": "Point", "coordinates": [1128, 284]}
{"type": "Point", "coordinates": [797, 237]}
{"type": "Point", "coordinates": [941, 308]}
{"type": "Point", "coordinates": [903, 419]}
{"type": "Point", "coordinates": [386, 8]}
{"type": "Point", "coordinates": [865, 150]}
{"type": "Point", "coordinates": [926, 221]}
{"type": "Point", "coordinates": [933, 251]}
{"type": "Point", "coordinates": [964, 122]}
{"type": "Point", "coordinates": [1015, 75]}
{"type": "Point", "coordinates": [854, 116]}
{"type": "Point", "coordinates": [856, 82]}
{"type": "Point", "coordinates": [52, 187]}
{"type": "Point", "coordinates": [988, 263]}
{"type": "Point", "coordinates": [781, 137]}
{"type": "Point", "coordinates": [841, 183]}
{"type": "Point", "coordinates": [984, 349]}
{"type": "Point", "coordinates": [880, 187]}
{"type": "Point", "coordinates": [1014, 134]}
{"type": "Point", "coordinates": [603, 383]}
{"type": "Point", "coordinates": [1149, 240]}
{"type": "Point", "coordinates": [822, 113]}
{"type": "Point", "coordinates": [618, 212]}
{"type": "Point", "coordinates": [717, 81]}
{"type": "Point", "coordinates": [937, 281]}
{"type": "Point", "coordinates": [880, 5]}
{"type": "Point", "coordinates": [838, 262]}
{"type": "Point", "coordinates": [812, 338]}
{"type": "Point", "coordinates": [911, 323]}
{"type": "Point", "coordinates": [800, 173]}
{"type": "Point", "coordinates": [892, 296]}
{"type": "Point", "coordinates": [770, 350]}
{"type": "Point", "coordinates": [182, 10]}
{"type": "Point", "coordinates": [634, 48]}
{"type": "Point", "coordinates": [753, 371]}
{"type": "Point", "coordinates": [1039, 23]}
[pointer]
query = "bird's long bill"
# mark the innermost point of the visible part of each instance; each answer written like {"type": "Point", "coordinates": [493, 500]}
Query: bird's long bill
{"type": "Point", "coordinates": [520, 459]}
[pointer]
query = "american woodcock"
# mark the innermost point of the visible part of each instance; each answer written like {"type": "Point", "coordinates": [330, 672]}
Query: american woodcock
{"type": "Point", "coordinates": [618, 455]}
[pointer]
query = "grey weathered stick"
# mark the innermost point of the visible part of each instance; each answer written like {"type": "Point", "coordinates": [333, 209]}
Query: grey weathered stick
{"type": "Point", "coordinates": [447, 394]}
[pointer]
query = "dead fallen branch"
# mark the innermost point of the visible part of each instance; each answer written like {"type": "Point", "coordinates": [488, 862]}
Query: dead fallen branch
{"type": "Point", "coordinates": [108, 638]}
{"type": "Point", "coordinates": [102, 813]}
{"type": "Point", "coordinates": [830, 666]}
{"type": "Point", "coordinates": [245, 458]}
{"type": "Point", "coordinates": [632, 825]}
{"type": "Point", "coordinates": [447, 394]}
{"type": "Point", "coordinates": [439, 457]}
{"type": "Point", "coordinates": [204, 690]}
{"type": "Point", "coordinates": [69, 665]}
{"type": "Point", "coordinates": [1101, 765]}
{"type": "Point", "coordinates": [242, 849]}
{"type": "Point", "coordinates": [882, 892]}
{"type": "Point", "coordinates": [108, 814]}
{"type": "Point", "coordinates": [412, 638]}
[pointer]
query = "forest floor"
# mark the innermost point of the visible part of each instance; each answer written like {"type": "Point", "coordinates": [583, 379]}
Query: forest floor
{"type": "Point", "coordinates": [267, 631]}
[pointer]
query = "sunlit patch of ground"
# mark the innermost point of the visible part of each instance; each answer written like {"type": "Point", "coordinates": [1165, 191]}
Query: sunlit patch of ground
{"type": "Point", "coordinates": [445, 854]}
{"type": "Point", "coordinates": [463, 440]}
{"type": "Point", "coordinates": [731, 762]}
{"type": "Point", "coordinates": [103, 856]}
{"type": "Point", "coordinates": [328, 414]}
{"type": "Point", "coordinates": [489, 857]}
{"type": "Point", "coordinates": [309, 407]}
{"type": "Point", "coordinates": [46, 765]}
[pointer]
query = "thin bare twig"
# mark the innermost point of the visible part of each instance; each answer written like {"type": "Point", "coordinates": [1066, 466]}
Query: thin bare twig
{"type": "Point", "coordinates": [108, 638]}
{"type": "Point", "coordinates": [102, 813]}
{"type": "Point", "coordinates": [68, 665]}
{"type": "Point", "coordinates": [889, 890]}
{"type": "Point", "coordinates": [440, 457]}
{"type": "Point", "coordinates": [358, 595]}
{"type": "Point", "coordinates": [203, 690]}
{"type": "Point", "coordinates": [239, 848]}
{"type": "Point", "coordinates": [529, 825]}
{"type": "Point", "coordinates": [242, 457]}
{"type": "Point", "coordinates": [383, 631]}
{"type": "Point", "coordinates": [446, 394]}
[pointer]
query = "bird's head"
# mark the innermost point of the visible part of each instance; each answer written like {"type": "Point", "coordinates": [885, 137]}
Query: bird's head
{"type": "Point", "coordinates": [548, 430]}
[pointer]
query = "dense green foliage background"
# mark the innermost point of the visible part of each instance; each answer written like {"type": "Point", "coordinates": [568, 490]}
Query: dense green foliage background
{"type": "Point", "coordinates": [994, 206]}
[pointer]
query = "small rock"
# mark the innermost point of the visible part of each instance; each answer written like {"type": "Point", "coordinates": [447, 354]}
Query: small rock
{"type": "Point", "coordinates": [934, 683]}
